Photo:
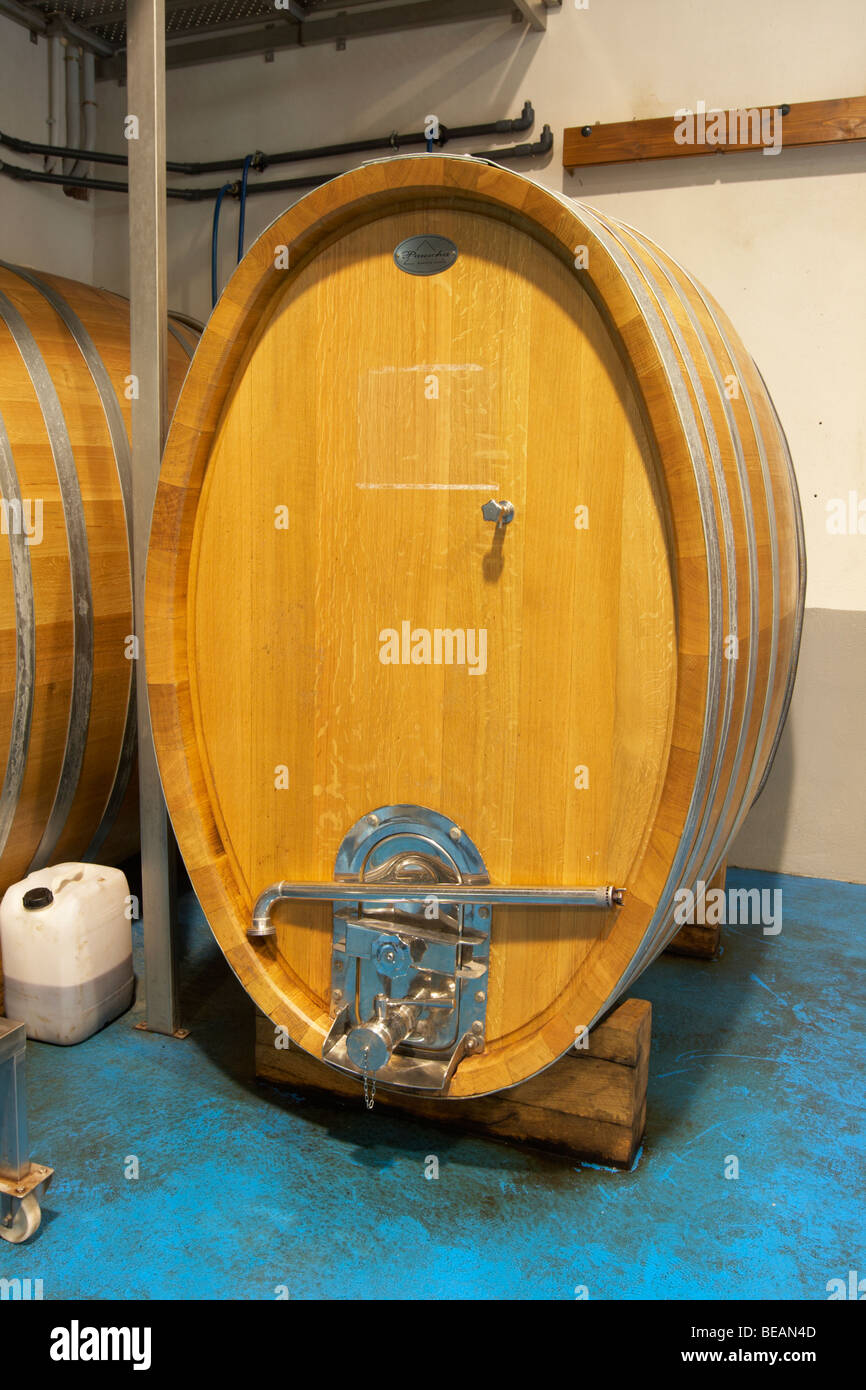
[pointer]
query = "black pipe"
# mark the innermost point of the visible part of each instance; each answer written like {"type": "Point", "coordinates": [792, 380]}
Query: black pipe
{"type": "Point", "coordinates": [262, 161]}
{"type": "Point", "coordinates": [394, 142]}
{"type": "Point", "coordinates": [280, 185]}
{"type": "Point", "coordinates": [190, 195]}
{"type": "Point", "coordinates": [528, 150]}
{"type": "Point", "coordinates": [195, 195]}
{"type": "Point", "coordinates": [14, 171]}
{"type": "Point", "coordinates": [12, 142]}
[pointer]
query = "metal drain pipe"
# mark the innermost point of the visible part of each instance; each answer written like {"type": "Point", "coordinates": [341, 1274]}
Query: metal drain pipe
{"type": "Point", "coordinates": [369, 1046]}
{"type": "Point", "coordinates": [72, 72]}
{"type": "Point", "coordinates": [88, 106]}
{"type": "Point", "coordinates": [55, 68]}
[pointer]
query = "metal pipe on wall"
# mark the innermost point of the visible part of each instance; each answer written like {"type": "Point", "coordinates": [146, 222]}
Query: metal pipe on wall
{"type": "Point", "coordinates": [542, 146]}
{"type": "Point", "coordinates": [55, 80]}
{"type": "Point", "coordinates": [72, 77]}
{"type": "Point", "coordinates": [88, 105]}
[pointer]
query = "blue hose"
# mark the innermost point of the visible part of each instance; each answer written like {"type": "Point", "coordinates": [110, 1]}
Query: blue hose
{"type": "Point", "coordinates": [247, 162]}
{"type": "Point", "coordinates": [215, 241]}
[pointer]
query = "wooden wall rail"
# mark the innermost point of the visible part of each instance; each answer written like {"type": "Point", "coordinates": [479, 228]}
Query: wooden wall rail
{"type": "Point", "coordinates": [724, 132]}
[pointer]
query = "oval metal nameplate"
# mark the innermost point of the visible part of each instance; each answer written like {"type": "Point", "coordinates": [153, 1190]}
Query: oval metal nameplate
{"type": "Point", "coordinates": [425, 255]}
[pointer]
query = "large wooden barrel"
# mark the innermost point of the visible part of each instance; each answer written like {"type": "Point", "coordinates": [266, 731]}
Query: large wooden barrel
{"type": "Point", "coordinates": [476, 570]}
{"type": "Point", "coordinates": [67, 717]}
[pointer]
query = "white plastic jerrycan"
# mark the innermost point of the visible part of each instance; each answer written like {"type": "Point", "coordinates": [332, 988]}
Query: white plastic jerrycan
{"type": "Point", "coordinates": [66, 945]}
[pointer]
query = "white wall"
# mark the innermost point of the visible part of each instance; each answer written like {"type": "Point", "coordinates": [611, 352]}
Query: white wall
{"type": "Point", "coordinates": [39, 227]}
{"type": "Point", "coordinates": [778, 240]}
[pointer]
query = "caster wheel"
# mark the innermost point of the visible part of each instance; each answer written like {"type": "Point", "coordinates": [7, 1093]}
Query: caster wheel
{"type": "Point", "coordinates": [25, 1221]}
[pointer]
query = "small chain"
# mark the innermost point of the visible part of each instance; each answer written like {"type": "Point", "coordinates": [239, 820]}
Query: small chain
{"type": "Point", "coordinates": [369, 1086]}
{"type": "Point", "coordinates": [369, 1092]}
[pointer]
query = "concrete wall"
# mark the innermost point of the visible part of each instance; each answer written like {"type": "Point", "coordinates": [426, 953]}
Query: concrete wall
{"type": "Point", "coordinates": [779, 241]}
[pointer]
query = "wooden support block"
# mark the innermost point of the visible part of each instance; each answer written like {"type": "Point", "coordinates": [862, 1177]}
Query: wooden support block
{"type": "Point", "coordinates": [701, 942]}
{"type": "Point", "coordinates": [591, 1104]}
{"type": "Point", "coordinates": [621, 142]}
{"type": "Point", "coordinates": [701, 939]}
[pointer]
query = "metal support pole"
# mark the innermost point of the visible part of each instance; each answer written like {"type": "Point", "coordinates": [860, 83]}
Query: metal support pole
{"type": "Point", "coordinates": [147, 275]}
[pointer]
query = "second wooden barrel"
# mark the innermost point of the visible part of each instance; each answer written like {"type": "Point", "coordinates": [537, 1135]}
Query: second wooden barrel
{"type": "Point", "coordinates": [67, 717]}
{"type": "Point", "coordinates": [474, 597]}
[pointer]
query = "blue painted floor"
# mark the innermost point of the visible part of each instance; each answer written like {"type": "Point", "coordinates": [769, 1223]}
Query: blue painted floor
{"type": "Point", "coordinates": [243, 1190]}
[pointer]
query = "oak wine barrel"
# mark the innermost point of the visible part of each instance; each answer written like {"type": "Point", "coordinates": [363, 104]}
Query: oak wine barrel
{"type": "Point", "coordinates": [474, 596]}
{"type": "Point", "coordinates": [67, 716]}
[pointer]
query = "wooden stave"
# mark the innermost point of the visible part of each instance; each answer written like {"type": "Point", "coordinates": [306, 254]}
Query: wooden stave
{"type": "Point", "coordinates": [66, 309]}
{"type": "Point", "coordinates": [717, 532]}
{"type": "Point", "coordinates": [222, 349]}
{"type": "Point", "coordinates": [703, 857]}
{"type": "Point", "coordinates": [774, 700]}
{"type": "Point", "coordinates": [780, 492]}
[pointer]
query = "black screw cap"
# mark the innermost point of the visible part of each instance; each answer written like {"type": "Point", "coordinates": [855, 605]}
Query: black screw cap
{"type": "Point", "coordinates": [37, 897]}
